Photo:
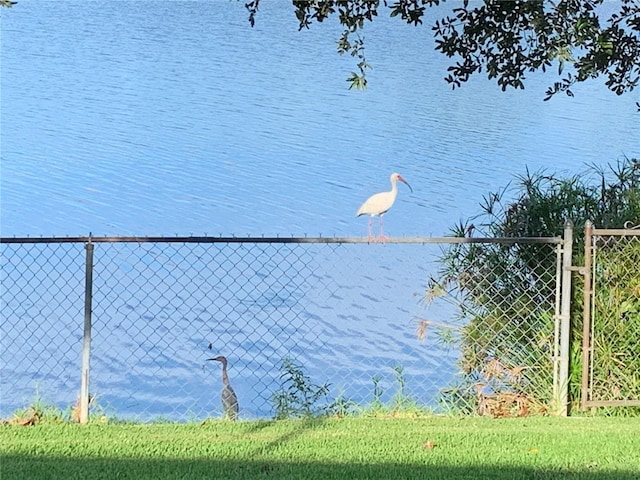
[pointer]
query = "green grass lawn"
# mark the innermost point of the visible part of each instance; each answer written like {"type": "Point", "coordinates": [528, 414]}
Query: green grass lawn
{"type": "Point", "coordinates": [354, 448]}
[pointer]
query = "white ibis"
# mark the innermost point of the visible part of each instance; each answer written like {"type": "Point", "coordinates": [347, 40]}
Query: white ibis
{"type": "Point", "coordinates": [380, 203]}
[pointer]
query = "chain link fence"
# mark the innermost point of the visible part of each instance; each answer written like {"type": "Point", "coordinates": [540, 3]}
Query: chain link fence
{"type": "Point", "coordinates": [381, 325]}
{"type": "Point", "coordinates": [41, 305]}
{"type": "Point", "coordinates": [611, 349]}
{"type": "Point", "coordinates": [507, 295]}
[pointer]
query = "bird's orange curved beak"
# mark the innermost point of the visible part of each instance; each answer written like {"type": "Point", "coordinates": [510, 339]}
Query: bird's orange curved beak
{"type": "Point", "coordinates": [405, 182]}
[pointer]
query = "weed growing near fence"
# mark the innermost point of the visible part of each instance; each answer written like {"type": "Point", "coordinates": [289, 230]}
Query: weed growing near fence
{"type": "Point", "coordinates": [400, 405]}
{"type": "Point", "coordinates": [298, 396]}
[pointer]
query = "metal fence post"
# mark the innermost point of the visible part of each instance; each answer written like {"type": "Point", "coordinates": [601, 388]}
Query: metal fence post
{"type": "Point", "coordinates": [86, 341]}
{"type": "Point", "coordinates": [586, 316]}
{"type": "Point", "coordinates": [562, 387]}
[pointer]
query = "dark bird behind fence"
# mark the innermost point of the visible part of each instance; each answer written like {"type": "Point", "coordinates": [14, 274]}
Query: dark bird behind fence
{"type": "Point", "coordinates": [229, 397]}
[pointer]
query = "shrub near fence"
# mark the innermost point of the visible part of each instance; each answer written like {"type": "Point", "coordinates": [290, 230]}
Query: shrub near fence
{"type": "Point", "coordinates": [345, 310]}
{"type": "Point", "coordinates": [508, 295]}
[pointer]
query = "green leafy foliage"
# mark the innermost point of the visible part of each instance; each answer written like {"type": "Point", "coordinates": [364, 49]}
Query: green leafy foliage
{"type": "Point", "coordinates": [298, 396]}
{"type": "Point", "coordinates": [507, 291]}
{"type": "Point", "coordinates": [506, 39]}
{"type": "Point", "coordinates": [399, 405]}
{"type": "Point", "coordinates": [616, 319]}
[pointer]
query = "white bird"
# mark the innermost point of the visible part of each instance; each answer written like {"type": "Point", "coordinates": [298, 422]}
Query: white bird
{"type": "Point", "coordinates": [380, 203]}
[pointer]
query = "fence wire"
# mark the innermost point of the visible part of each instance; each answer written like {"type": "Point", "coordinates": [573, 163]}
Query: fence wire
{"type": "Point", "coordinates": [614, 378]}
{"type": "Point", "coordinates": [41, 300]}
{"type": "Point", "coordinates": [382, 326]}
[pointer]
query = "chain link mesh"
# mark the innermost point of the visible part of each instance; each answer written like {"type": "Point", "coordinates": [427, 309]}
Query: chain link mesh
{"type": "Point", "coordinates": [615, 329]}
{"type": "Point", "coordinates": [354, 315]}
{"type": "Point", "coordinates": [42, 301]}
{"type": "Point", "coordinates": [506, 330]}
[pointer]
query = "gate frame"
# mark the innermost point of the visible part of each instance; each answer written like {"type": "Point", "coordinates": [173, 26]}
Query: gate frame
{"type": "Point", "coordinates": [590, 234]}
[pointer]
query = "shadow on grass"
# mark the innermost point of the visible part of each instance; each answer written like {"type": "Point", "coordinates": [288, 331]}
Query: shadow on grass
{"type": "Point", "coordinates": [58, 467]}
{"type": "Point", "coordinates": [301, 428]}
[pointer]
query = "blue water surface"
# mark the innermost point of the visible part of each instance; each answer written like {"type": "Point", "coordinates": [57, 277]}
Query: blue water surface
{"type": "Point", "coordinates": [160, 117]}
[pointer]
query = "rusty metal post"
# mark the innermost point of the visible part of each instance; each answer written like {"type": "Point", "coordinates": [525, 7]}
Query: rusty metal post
{"type": "Point", "coordinates": [561, 388]}
{"type": "Point", "coordinates": [586, 315]}
{"type": "Point", "coordinates": [86, 341]}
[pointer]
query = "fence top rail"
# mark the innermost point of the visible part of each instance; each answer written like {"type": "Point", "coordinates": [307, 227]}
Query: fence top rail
{"type": "Point", "coordinates": [338, 240]}
{"type": "Point", "coordinates": [615, 232]}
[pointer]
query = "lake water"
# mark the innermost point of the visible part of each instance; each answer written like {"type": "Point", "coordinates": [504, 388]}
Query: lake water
{"type": "Point", "coordinates": [164, 118]}
{"type": "Point", "coordinates": [158, 117]}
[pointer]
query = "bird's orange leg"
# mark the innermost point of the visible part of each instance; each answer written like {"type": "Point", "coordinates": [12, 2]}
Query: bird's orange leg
{"type": "Point", "coordinates": [370, 230]}
{"type": "Point", "coordinates": [383, 238]}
